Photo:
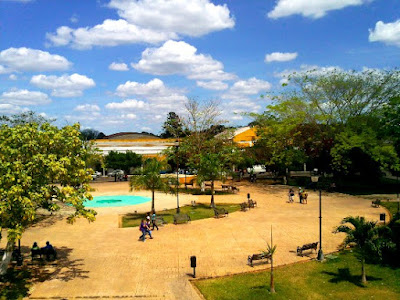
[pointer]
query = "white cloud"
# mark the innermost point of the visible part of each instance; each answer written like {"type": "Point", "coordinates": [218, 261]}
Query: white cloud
{"type": "Point", "coordinates": [74, 18]}
{"type": "Point", "coordinates": [24, 97]}
{"type": "Point", "coordinates": [212, 85]}
{"type": "Point", "coordinates": [87, 108]}
{"type": "Point", "coordinates": [310, 8]}
{"type": "Point", "coordinates": [181, 58]}
{"type": "Point", "coordinates": [190, 18]}
{"type": "Point", "coordinates": [129, 104]}
{"type": "Point", "coordinates": [109, 33]}
{"type": "Point", "coordinates": [118, 66]}
{"type": "Point", "coordinates": [26, 59]}
{"type": "Point", "coordinates": [10, 109]}
{"type": "Point", "coordinates": [243, 88]}
{"type": "Point", "coordinates": [13, 77]}
{"type": "Point", "coordinates": [65, 85]}
{"type": "Point", "coordinates": [388, 33]}
{"type": "Point", "coordinates": [279, 56]}
{"type": "Point", "coordinates": [129, 116]}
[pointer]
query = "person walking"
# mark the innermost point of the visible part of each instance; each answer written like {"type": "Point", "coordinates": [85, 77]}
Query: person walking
{"type": "Point", "coordinates": [291, 195]}
{"type": "Point", "coordinates": [143, 229]}
{"type": "Point", "coordinates": [153, 220]}
{"type": "Point", "coordinates": [148, 230]}
{"type": "Point", "coordinates": [301, 195]}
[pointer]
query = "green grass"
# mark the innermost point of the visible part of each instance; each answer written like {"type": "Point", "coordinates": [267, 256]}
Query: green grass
{"type": "Point", "coordinates": [391, 206]}
{"type": "Point", "coordinates": [336, 278]}
{"type": "Point", "coordinates": [200, 211]}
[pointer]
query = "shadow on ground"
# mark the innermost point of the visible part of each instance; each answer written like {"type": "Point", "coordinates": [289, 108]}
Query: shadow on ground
{"type": "Point", "coordinates": [62, 268]}
{"type": "Point", "coordinates": [344, 275]}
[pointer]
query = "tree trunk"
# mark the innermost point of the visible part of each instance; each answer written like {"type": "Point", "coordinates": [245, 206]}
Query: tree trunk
{"type": "Point", "coordinates": [152, 200]}
{"type": "Point", "coordinates": [363, 275]}
{"type": "Point", "coordinates": [212, 194]}
{"type": "Point", "coordinates": [6, 258]}
{"type": "Point", "coordinates": [272, 284]}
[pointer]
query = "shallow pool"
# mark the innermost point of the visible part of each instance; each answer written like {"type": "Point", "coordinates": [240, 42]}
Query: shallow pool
{"type": "Point", "coordinates": [116, 200]}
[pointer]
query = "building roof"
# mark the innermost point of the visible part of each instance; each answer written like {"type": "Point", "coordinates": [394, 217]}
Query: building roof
{"type": "Point", "coordinates": [130, 136]}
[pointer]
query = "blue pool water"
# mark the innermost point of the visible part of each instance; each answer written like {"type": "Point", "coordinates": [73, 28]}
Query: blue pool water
{"type": "Point", "coordinates": [117, 200]}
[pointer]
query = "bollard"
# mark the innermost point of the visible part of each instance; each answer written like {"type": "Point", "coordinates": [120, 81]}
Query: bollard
{"type": "Point", "coordinates": [193, 265]}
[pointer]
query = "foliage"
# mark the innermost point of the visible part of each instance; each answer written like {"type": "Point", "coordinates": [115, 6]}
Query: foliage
{"type": "Point", "coordinates": [172, 127]}
{"type": "Point", "coordinates": [198, 212]}
{"type": "Point", "coordinates": [336, 278]}
{"type": "Point", "coordinates": [123, 161]}
{"type": "Point", "coordinates": [362, 233]}
{"type": "Point", "coordinates": [329, 120]}
{"type": "Point", "coordinates": [41, 166]}
{"type": "Point", "coordinates": [149, 178]}
{"type": "Point", "coordinates": [24, 118]}
{"type": "Point", "coordinates": [91, 134]}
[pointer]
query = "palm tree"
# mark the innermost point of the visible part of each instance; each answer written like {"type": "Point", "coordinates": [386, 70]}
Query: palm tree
{"type": "Point", "coordinates": [149, 178]}
{"type": "Point", "coordinates": [271, 249]}
{"type": "Point", "coordinates": [364, 234]}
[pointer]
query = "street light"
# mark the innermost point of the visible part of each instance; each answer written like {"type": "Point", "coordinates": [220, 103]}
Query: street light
{"type": "Point", "coordinates": [314, 179]}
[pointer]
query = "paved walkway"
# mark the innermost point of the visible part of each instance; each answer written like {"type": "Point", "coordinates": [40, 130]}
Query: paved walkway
{"type": "Point", "coordinates": [100, 260]}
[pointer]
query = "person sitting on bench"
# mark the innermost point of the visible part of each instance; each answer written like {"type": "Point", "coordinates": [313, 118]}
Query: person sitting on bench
{"type": "Point", "coordinates": [48, 250]}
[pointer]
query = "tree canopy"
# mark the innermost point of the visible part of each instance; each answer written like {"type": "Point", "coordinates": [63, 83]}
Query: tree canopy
{"type": "Point", "coordinates": [124, 161]}
{"type": "Point", "coordinates": [336, 121]}
{"type": "Point", "coordinates": [41, 166]}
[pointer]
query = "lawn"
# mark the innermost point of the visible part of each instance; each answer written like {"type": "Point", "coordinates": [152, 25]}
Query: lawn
{"type": "Point", "coordinates": [336, 278]}
{"type": "Point", "coordinates": [200, 211]}
{"type": "Point", "coordinates": [391, 206]}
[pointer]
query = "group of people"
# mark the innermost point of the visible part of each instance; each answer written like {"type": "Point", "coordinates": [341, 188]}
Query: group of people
{"type": "Point", "coordinates": [145, 225]}
{"type": "Point", "coordinates": [46, 250]}
{"type": "Point", "coordinates": [302, 195]}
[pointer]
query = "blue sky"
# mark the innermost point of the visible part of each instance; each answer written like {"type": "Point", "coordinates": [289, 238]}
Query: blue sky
{"type": "Point", "coordinates": [122, 65]}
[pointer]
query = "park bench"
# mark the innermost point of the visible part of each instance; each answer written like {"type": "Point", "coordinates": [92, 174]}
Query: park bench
{"type": "Point", "coordinates": [260, 256]}
{"type": "Point", "coordinates": [252, 203]}
{"type": "Point", "coordinates": [220, 212]}
{"type": "Point", "coordinates": [306, 247]}
{"type": "Point", "coordinates": [191, 183]}
{"type": "Point", "coordinates": [243, 206]}
{"type": "Point", "coordinates": [46, 252]}
{"type": "Point", "coordinates": [36, 253]}
{"type": "Point", "coordinates": [160, 221]}
{"type": "Point", "coordinates": [207, 185]}
{"type": "Point", "coordinates": [228, 187]}
{"type": "Point", "coordinates": [376, 203]}
{"type": "Point", "coordinates": [181, 218]}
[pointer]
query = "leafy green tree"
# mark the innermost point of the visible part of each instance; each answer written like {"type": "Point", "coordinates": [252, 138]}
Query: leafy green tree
{"type": "Point", "coordinates": [124, 161]}
{"type": "Point", "coordinates": [24, 118]}
{"type": "Point", "coordinates": [364, 235]}
{"type": "Point", "coordinates": [91, 134]}
{"type": "Point", "coordinates": [149, 178]}
{"type": "Point", "coordinates": [41, 166]}
{"type": "Point", "coordinates": [172, 127]}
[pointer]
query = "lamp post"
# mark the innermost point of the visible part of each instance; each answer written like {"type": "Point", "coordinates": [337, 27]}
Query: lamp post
{"type": "Point", "coordinates": [320, 253]}
{"type": "Point", "coordinates": [178, 210]}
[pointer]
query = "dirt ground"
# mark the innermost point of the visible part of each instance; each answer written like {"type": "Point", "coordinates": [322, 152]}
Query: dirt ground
{"type": "Point", "coordinates": [101, 260]}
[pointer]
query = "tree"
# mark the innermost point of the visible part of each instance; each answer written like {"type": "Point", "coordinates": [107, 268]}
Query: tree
{"type": "Point", "coordinates": [24, 118]}
{"type": "Point", "coordinates": [149, 178]}
{"type": "Point", "coordinates": [91, 134]}
{"type": "Point", "coordinates": [362, 233]}
{"type": "Point", "coordinates": [271, 249]}
{"type": "Point", "coordinates": [323, 118]}
{"type": "Point", "coordinates": [172, 127]}
{"type": "Point", "coordinates": [124, 161]}
{"type": "Point", "coordinates": [41, 166]}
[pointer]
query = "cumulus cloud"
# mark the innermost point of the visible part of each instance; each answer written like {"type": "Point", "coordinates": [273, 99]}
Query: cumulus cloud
{"type": "Point", "coordinates": [65, 85]}
{"type": "Point", "coordinates": [26, 59]}
{"type": "Point", "coordinates": [243, 88]}
{"type": "Point", "coordinates": [312, 9]}
{"type": "Point", "coordinates": [10, 109]}
{"type": "Point", "coordinates": [190, 18]}
{"type": "Point", "coordinates": [212, 85]}
{"type": "Point", "coordinates": [279, 56]}
{"type": "Point", "coordinates": [13, 77]}
{"type": "Point", "coordinates": [388, 33]}
{"type": "Point", "coordinates": [182, 59]}
{"type": "Point", "coordinates": [130, 104]}
{"type": "Point", "coordinates": [24, 97]}
{"type": "Point", "coordinates": [109, 33]}
{"type": "Point", "coordinates": [154, 91]}
{"type": "Point", "coordinates": [87, 108]}
{"type": "Point", "coordinates": [118, 66]}
{"type": "Point", "coordinates": [74, 18]}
